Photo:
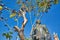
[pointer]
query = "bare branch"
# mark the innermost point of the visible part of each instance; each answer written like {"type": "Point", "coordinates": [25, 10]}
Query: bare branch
{"type": "Point", "coordinates": [17, 28]}
{"type": "Point", "coordinates": [25, 20]}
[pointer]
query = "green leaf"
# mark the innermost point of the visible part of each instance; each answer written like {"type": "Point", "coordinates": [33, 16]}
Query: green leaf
{"type": "Point", "coordinates": [12, 15]}
{"type": "Point", "coordinates": [7, 35]}
{"type": "Point", "coordinates": [4, 34]}
{"type": "Point", "coordinates": [37, 0]}
{"type": "Point", "coordinates": [11, 32]}
{"type": "Point", "coordinates": [55, 1]}
{"type": "Point", "coordinates": [1, 7]}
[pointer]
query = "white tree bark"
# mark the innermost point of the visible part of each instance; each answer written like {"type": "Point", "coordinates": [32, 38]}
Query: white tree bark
{"type": "Point", "coordinates": [21, 30]}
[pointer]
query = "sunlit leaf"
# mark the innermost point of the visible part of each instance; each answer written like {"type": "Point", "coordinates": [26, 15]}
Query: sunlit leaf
{"type": "Point", "coordinates": [55, 1]}
{"type": "Point", "coordinates": [1, 7]}
{"type": "Point", "coordinates": [12, 15]}
{"type": "Point", "coordinates": [41, 4]}
{"type": "Point", "coordinates": [44, 0]}
{"type": "Point", "coordinates": [27, 9]}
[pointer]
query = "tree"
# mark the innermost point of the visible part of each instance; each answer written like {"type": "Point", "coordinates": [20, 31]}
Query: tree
{"type": "Point", "coordinates": [28, 6]}
{"type": "Point", "coordinates": [55, 36]}
{"type": "Point", "coordinates": [40, 32]}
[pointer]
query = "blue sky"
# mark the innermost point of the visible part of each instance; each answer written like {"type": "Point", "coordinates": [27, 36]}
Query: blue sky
{"type": "Point", "coordinates": [50, 19]}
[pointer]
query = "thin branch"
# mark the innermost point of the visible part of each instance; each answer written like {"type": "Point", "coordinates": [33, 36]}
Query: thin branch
{"type": "Point", "coordinates": [17, 28]}
{"type": "Point", "coordinates": [25, 20]}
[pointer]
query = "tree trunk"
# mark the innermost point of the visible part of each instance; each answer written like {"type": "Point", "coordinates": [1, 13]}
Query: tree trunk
{"type": "Point", "coordinates": [21, 30]}
{"type": "Point", "coordinates": [21, 35]}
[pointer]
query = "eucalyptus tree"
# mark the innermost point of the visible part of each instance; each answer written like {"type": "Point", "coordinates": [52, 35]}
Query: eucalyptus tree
{"type": "Point", "coordinates": [55, 36]}
{"type": "Point", "coordinates": [37, 6]}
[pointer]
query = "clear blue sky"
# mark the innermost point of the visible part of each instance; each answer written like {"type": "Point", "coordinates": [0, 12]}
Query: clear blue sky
{"type": "Point", "coordinates": [50, 19]}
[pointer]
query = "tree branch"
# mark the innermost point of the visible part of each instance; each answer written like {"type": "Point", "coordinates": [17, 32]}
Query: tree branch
{"type": "Point", "coordinates": [25, 20]}
{"type": "Point", "coordinates": [21, 31]}
{"type": "Point", "coordinates": [17, 28]}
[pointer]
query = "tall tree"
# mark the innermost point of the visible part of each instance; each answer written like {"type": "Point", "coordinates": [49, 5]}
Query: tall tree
{"type": "Point", "coordinates": [37, 6]}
